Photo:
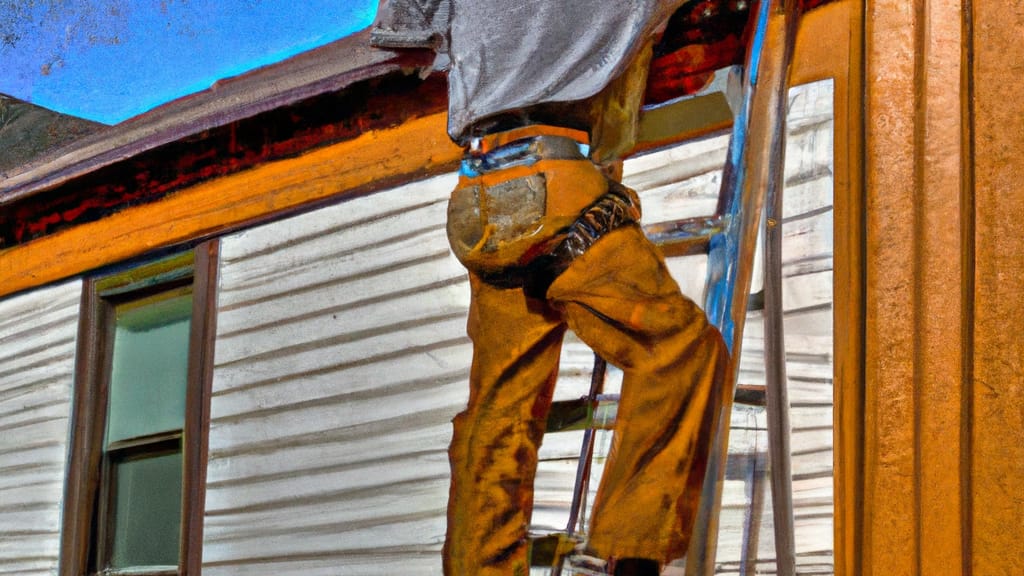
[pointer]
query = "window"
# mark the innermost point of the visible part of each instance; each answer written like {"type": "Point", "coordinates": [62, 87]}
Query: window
{"type": "Point", "coordinates": [134, 495]}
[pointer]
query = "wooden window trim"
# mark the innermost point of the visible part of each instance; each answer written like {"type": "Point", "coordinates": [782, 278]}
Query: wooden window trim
{"type": "Point", "coordinates": [93, 355]}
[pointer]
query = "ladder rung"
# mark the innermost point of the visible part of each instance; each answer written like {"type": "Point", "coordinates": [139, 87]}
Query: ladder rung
{"type": "Point", "coordinates": [685, 237]}
{"type": "Point", "coordinates": [750, 394]}
{"type": "Point", "coordinates": [755, 302]}
{"type": "Point", "coordinates": [583, 413]}
{"type": "Point", "coordinates": [545, 549]}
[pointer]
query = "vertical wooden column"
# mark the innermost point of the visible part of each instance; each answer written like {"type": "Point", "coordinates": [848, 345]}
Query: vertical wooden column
{"type": "Point", "coordinates": [943, 473]}
{"type": "Point", "coordinates": [917, 288]}
{"type": "Point", "coordinates": [995, 371]}
{"type": "Point", "coordinates": [829, 45]}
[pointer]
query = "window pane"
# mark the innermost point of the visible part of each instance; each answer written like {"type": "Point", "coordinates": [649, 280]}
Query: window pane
{"type": "Point", "coordinates": [150, 365]}
{"type": "Point", "coordinates": [147, 512]}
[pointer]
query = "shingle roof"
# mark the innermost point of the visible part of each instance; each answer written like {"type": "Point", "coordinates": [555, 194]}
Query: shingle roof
{"type": "Point", "coordinates": [28, 131]}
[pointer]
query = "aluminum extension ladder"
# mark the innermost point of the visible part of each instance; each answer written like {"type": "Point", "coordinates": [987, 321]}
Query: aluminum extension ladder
{"type": "Point", "coordinates": [750, 201]}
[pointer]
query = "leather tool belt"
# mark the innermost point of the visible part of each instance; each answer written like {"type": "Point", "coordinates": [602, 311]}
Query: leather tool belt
{"type": "Point", "coordinates": [503, 233]}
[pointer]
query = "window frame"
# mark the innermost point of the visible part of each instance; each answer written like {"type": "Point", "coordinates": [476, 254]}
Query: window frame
{"type": "Point", "coordinates": [82, 536]}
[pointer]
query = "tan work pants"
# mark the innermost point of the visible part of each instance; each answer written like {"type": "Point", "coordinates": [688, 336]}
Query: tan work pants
{"type": "Point", "coordinates": [620, 300]}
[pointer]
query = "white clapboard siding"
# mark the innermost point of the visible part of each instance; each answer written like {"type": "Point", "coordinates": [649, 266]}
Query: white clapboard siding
{"type": "Point", "coordinates": [341, 358]}
{"type": "Point", "coordinates": [807, 303]}
{"type": "Point", "coordinates": [37, 360]}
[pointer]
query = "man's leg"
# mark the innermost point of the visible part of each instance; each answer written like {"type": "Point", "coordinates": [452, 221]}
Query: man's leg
{"type": "Point", "coordinates": [619, 298]}
{"type": "Point", "coordinates": [516, 346]}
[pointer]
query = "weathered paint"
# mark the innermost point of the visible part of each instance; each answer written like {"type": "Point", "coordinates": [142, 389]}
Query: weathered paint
{"type": "Point", "coordinates": [37, 360]}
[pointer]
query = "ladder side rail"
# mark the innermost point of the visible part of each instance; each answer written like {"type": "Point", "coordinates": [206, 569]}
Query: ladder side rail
{"type": "Point", "coordinates": [586, 458]}
{"type": "Point", "coordinates": [755, 147]}
{"type": "Point", "coordinates": [776, 393]}
{"type": "Point", "coordinates": [721, 276]}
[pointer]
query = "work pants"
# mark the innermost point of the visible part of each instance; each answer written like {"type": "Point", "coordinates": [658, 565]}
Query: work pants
{"type": "Point", "coordinates": [619, 299]}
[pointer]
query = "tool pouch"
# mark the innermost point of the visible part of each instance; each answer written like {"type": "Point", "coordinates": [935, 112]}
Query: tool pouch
{"type": "Point", "coordinates": [493, 228]}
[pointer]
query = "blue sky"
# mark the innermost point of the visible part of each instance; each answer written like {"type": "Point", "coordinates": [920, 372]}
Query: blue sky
{"type": "Point", "coordinates": [109, 60]}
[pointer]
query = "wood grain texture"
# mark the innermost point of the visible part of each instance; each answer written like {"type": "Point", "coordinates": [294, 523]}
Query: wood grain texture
{"type": "Point", "coordinates": [37, 360]}
{"type": "Point", "coordinates": [890, 523]}
{"type": "Point", "coordinates": [996, 391]}
{"type": "Point", "coordinates": [921, 295]}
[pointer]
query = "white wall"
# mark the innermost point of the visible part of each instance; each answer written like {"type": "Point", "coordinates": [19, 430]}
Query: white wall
{"type": "Point", "coordinates": [341, 358]}
{"type": "Point", "coordinates": [37, 359]}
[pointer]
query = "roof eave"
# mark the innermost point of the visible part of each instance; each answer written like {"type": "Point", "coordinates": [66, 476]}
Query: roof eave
{"type": "Point", "coordinates": [329, 68]}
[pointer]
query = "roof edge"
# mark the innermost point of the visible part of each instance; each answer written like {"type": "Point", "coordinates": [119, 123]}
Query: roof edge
{"type": "Point", "coordinates": [325, 69]}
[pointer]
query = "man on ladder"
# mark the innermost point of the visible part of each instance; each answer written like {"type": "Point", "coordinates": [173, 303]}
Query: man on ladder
{"type": "Point", "coordinates": [544, 95]}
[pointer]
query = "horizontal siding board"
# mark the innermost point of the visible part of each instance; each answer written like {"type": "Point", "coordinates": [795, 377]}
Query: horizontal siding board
{"type": "Point", "coordinates": [286, 505]}
{"type": "Point", "coordinates": [436, 361]}
{"type": "Point", "coordinates": [399, 314]}
{"type": "Point", "coordinates": [807, 197]}
{"type": "Point", "coordinates": [44, 420]}
{"type": "Point", "coordinates": [368, 563]}
{"type": "Point", "coordinates": [348, 294]}
{"type": "Point", "coordinates": [48, 472]}
{"type": "Point", "coordinates": [19, 351]}
{"type": "Point", "coordinates": [17, 371]}
{"type": "Point", "coordinates": [699, 197]}
{"type": "Point", "coordinates": [37, 355]}
{"type": "Point", "coordinates": [348, 511]}
{"type": "Point", "coordinates": [805, 236]}
{"type": "Point", "coordinates": [30, 490]}
{"type": "Point", "coordinates": [678, 182]}
{"type": "Point", "coordinates": [61, 304]}
{"type": "Point", "coordinates": [227, 474]}
{"type": "Point", "coordinates": [422, 530]}
{"type": "Point", "coordinates": [370, 262]}
{"type": "Point", "coordinates": [401, 338]}
{"type": "Point", "coordinates": [262, 276]}
{"type": "Point", "coordinates": [676, 164]}
{"type": "Point", "coordinates": [281, 236]}
{"type": "Point", "coordinates": [323, 419]}
{"type": "Point", "coordinates": [343, 246]}
{"type": "Point", "coordinates": [45, 396]}
{"type": "Point", "coordinates": [28, 544]}
{"type": "Point", "coordinates": [350, 485]}
{"type": "Point", "coordinates": [28, 565]}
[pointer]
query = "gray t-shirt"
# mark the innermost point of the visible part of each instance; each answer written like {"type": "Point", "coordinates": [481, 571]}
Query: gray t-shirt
{"type": "Point", "coordinates": [512, 54]}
